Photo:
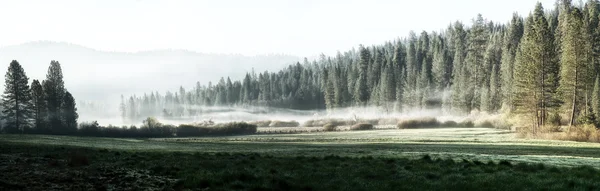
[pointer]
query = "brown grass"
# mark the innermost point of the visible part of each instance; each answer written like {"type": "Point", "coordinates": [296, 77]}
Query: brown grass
{"type": "Point", "coordinates": [583, 133]}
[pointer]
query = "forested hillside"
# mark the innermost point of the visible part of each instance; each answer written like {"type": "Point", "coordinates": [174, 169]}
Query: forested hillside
{"type": "Point", "coordinates": [542, 66]}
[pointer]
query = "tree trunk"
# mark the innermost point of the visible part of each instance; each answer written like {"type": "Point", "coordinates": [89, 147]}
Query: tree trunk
{"type": "Point", "coordinates": [572, 120]}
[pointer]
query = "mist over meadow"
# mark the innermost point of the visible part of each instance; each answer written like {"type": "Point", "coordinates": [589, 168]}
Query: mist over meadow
{"type": "Point", "coordinates": [97, 79]}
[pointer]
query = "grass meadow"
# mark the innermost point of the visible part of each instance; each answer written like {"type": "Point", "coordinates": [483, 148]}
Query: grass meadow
{"type": "Point", "coordinates": [381, 159]}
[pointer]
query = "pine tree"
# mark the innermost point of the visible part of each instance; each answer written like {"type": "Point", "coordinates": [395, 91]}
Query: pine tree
{"type": "Point", "coordinates": [69, 113]}
{"type": "Point", "coordinates": [54, 89]}
{"type": "Point", "coordinates": [459, 70]}
{"type": "Point", "coordinates": [361, 91]}
{"type": "Point", "coordinates": [328, 89]}
{"type": "Point", "coordinates": [16, 100]}
{"type": "Point", "coordinates": [123, 109]}
{"type": "Point", "coordinates": [535, 82]}
{"type": "Point", "coordinates": [442, 69]}
{"type": "Point", "coordinates": [596, 97]}
{"type": "Point", "coordinates": [574, 61]}
{"type": "Point", "coordinates": [477, 43]}
{"type": "Point", "coordinates": [39, 107]}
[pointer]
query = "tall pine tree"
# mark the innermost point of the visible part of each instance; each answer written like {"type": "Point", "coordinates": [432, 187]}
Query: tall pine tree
{"type": "Point", "coordinates": [16, 99]}
{"type": "Point", "coordinates": [40, 107]}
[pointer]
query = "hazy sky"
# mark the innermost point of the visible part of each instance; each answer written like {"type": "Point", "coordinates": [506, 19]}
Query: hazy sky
{"type": "Point", "coordinates": [249, 27]}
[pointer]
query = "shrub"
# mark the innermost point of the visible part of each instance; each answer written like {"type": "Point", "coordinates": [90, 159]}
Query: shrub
{"type": "Point", "coordinates": [419, 123]}
{"type": "Point", "coordinates": [449, 124]}
{"type": "Point", "coordinates": [89, 128]}
{"type": "Point", "coordinates": [284, 124]}
{"type": "Point", "coordinates": [466, 124]}
{"type": "Point", "coordinates": [583, 133]}
{"type": "Point", "coordinates": [361, 126]}
{"type": "Point", "coordinates": [589, 119]}
{"type": "Point", "coordinates": [330, 127]}
{"type": "Point", "coordinates": [151, 122]}
{"type": "Point", "coordinates": [233, 128]}
{"type": "Point", "coordinates": [554, 119]}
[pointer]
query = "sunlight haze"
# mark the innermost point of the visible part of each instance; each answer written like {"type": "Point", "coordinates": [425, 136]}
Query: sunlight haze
{"type": "Point", "coordinates": [300, 28]}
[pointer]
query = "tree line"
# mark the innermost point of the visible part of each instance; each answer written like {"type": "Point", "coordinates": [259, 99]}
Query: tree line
{"type": "Point", "coordinates": [542, 66]}
{"type": "Point", "coordinates": [45, 108]}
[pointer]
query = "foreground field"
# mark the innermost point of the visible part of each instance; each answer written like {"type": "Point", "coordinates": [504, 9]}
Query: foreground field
{"type": "Point", "coordinates": [416, 159]}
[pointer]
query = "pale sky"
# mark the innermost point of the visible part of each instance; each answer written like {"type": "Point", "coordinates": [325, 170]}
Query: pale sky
{"type": "Point", "coordinates": [249, 27]}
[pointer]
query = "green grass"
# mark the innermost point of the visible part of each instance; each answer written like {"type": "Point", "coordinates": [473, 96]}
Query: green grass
{"type": "Point", "coordinates": [415, 159]}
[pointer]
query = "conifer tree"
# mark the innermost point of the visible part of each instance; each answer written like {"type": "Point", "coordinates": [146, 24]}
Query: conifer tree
{"type": "Point", "coordinates": [69, 113]}
{"type": "Point", "coordinates": [40, 107]}
{"type": "Point", "coordinates": [361, 91]}
{"type": "Point", "coordinates": [574, 65]}
{"type": "Point", "coordinates": [54, 89]}
{"type": "Point", "coordinates": [477, 43]}
{"type": "Point", "coordinates": [596, 97]}
{"type": "Point", "coordinates": [16, 100]}
{"type": "Point", "coordinates": [534, 70]}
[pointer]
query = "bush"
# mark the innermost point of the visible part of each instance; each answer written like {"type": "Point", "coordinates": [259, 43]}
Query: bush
{"type": "Point", "coordinates": [583, 133]}
{"type": "Point", "coordinates": [554, 119]}
{"type": "Point", "coordinates": [330, 127]}
{"type": "Point", "coordinates": [233, 128]}
{"type": "Point", "coordinates": [449, 124]}
{"type": "Point", "coordinates": [419, 123]}
{"type": "Point", "coordinates": [89, 128]}
{"type": "Point", "coordinates": [361, 126]}
{"type": "Point", "coordinates": [284, 124]}
{"type": "Point", "coordinates": [152, 128]}
{"type": "Point", "coordinates": [589, 119]}
{"type": "Point", "coordinates": [466, 124]}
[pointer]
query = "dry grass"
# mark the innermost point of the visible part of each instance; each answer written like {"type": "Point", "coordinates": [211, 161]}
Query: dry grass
{"type": "Point", "coordinates": [583, 133]}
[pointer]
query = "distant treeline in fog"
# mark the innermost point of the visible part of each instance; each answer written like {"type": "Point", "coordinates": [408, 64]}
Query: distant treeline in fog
{"type": "Point", "coordinates": [544, 65]}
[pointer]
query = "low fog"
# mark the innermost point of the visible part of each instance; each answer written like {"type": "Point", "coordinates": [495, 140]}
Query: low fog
{"type": "Point", "coordinates": [254, 114]}
{"type": "Point", "coordinates": [97, 79]}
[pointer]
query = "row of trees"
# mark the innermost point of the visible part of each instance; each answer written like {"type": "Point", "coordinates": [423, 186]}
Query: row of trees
{"type": "Point", "coordinates": [45, 107]}
{"type": "Point", "coordinates": [541, 65]}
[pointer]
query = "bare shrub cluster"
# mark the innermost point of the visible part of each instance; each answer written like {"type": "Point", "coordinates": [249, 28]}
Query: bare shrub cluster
{"type": "Point", "coordinates": [430, 122]}
{"type": "Point", "coordinates": [152, 128]}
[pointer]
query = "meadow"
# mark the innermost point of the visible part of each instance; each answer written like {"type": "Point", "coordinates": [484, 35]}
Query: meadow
{"type": "Point", "coordinates": [381, 159]}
